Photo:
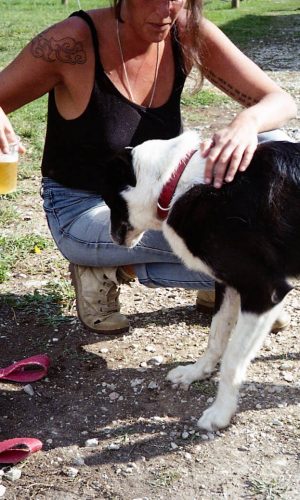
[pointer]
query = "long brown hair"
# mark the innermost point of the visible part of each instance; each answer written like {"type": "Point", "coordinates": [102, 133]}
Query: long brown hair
{"type": "Point", "coordinates": [191, 51]}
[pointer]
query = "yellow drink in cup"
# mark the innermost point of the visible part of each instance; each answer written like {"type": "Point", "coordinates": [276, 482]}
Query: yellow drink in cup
{"type": "Point", "coordinates": [8, 169]}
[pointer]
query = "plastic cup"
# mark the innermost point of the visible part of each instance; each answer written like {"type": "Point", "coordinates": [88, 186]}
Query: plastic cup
{"type": "Point", "coordinates": [9, 169]}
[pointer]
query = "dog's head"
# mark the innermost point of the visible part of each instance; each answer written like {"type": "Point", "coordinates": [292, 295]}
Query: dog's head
{"type": "Point", "coordinates": [133, 181]}
{"type": "Point", "coordinates": [119, 177]}
{"type": "Point", "coordinates": [124, 193]}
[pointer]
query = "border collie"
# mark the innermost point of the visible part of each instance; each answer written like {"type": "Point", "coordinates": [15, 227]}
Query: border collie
{"type": "Point", "coordinates": [246, 236]}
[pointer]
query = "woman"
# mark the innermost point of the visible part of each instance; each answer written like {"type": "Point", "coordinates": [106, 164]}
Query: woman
{"type": "Point", "coordinates": [115, 78]}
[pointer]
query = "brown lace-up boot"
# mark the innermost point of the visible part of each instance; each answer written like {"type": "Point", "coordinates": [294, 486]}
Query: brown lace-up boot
{"type": "Point", "coordinates": [97, 297]}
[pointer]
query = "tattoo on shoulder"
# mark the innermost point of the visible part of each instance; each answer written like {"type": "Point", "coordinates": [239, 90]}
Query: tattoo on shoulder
{"type": "Point", "coordinates": [242, 98]}
{"type": "Point", "coordinates": [66, 50]}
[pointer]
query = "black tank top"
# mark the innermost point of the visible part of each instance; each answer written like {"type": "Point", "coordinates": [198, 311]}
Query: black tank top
{"type": "Point", "coordinates": [75, 149]}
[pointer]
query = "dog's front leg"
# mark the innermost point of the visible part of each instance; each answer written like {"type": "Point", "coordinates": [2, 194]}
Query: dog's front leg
{"type": "Point", "coordinates": [224, 319]}
{"type": "Point", "coordinates": [247, 337]}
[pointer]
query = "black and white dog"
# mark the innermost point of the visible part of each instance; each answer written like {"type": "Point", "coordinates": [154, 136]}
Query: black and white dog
{"type": "Point", "coordinates": [245, 235]}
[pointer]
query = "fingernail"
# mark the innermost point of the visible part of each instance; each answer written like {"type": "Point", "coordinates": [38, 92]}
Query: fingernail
{"type": "Point", "coordinates": [217, 184]}
{"type": "Point", "coordinates": [207, 180]}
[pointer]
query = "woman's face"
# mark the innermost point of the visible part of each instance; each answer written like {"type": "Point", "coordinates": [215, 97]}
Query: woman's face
{"type": "Point", "coordinates": [151, 20]}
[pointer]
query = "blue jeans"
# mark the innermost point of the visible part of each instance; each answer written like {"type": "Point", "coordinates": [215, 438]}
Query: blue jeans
{"type": "Point", "coordinates": [79, 222]}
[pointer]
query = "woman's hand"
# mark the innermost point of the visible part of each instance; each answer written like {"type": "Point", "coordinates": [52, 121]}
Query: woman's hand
{"type": "Point", "coordinates": [230, 150]}
{"type": "Point", "coordinates": [7, 134]}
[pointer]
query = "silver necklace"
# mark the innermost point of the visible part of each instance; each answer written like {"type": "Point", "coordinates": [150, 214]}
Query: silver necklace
{"type": "Point", "coordinates": [126, 74]}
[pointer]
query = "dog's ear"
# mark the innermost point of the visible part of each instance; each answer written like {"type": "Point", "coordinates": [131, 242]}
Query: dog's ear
{"type": "Point", "coordinates": [118, 175]}
{"type": "Point", "coordinates": [125, 166]}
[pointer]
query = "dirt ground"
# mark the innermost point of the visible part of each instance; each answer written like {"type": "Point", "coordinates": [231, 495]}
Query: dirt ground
{"type": "Point", "coordinates": [113, 389]}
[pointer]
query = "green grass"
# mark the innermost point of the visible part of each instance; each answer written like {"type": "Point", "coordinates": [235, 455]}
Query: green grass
{"type": "Point", "coordinates": [22, 19]}
{"type": "Point", "coordinates": [8, 215]}
{"type": "Point", "coordinates": [14, 249]}
{"type": "Point", "coordinates": [267, 490]}
{"type": "Point", "coordinates": [203, 98]}
{"type": "Point", "coordinates": [255, 19]}
{"type": "Point", "coordinates": [50, 305]}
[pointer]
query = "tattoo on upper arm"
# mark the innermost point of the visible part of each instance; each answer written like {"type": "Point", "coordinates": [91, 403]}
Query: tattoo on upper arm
{"type": "Point", "coordinates": [66, 50]}
{"type": "Point", "coordinates": [242, 98]}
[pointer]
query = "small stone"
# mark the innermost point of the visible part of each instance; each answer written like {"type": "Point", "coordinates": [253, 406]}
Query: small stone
{"type": "Point", "coordinates": [150, 348]}
{"type": "Point", "coordinates": [155, 361]}
{"type": "Point", "coordinates": [288, 377]}
{"type": "Point", "coordinates": [78, 460]}
{"type": "Point", "coordinates": [188, 456]}
{"type": "Point", "coordinates": [28, 389]}
{"type": "Point", "coordinates": [13, 474]}
{"type": "Point", "coordinates": [91, 442]}
{"type": "Point", "coordinates": [185, 435]}
{"type": "Point", "coordinates": [114, 396]}
{"type": "Point", "coordinates": [113, 446]}
{"type": "Point", "coordinates": [153, 385]}
{"type": "Point", "coordinates": [174, 446]}
{"type": "Point", "coordinates": [104, 350]}
{"type": "Point", "coordinates": [72, 472]}
{"type": "Point", "coordinates": [132, 465]}
{"type": "Point", "coordinates": [136, 381]}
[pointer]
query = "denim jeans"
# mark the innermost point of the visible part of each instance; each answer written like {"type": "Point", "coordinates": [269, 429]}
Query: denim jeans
{"type": "Point", "coordinates": [79, 222]}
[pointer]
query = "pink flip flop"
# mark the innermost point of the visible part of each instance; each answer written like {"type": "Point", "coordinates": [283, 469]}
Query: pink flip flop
{"type": "Point", "coordinates": [27, 370]}
{"type": "Point", "coordinates": [15, 450]}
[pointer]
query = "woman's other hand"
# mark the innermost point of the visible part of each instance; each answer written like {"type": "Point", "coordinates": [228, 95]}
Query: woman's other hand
{"type": "Point", "coordinates": [7, 134]}
{"type": "Point", "coordinates": [229, 151]}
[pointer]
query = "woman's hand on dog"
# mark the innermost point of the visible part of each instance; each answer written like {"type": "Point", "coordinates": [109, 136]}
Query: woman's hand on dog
{"type": "Point", "coordinates": [229, 151]}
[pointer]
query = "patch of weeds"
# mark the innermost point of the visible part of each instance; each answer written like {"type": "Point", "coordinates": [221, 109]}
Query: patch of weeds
{"type": "Point", "coordinates": [10, 196]}
{"type": "Point", "coordinates": [13, 249]}
{"type": "Point", "coordinates": [206, 388]}
{"type": "Point", "coordinates": [164, 477]}
{"type": "Point", "coordinates": [8, 215]}
{"type": "Point", "coordinates": [50, 305]}
{"type": "Point", "coordinates": [64, 291]}
{"type": "Point", "coordinates": [203, 98]}
{"type": "Point", "coordinates": [268, 490]}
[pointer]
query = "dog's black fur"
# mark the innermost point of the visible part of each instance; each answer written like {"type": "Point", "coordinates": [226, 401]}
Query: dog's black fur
{"type": "Point", "coordinates": [248, 231]}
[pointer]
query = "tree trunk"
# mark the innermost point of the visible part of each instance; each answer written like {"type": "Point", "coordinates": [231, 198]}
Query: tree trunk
{"type": "Point", "coordinates": [235, 4]}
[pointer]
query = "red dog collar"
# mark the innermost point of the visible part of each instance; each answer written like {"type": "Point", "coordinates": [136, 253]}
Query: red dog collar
{"type": "Point", "coordinates": [168, 190]}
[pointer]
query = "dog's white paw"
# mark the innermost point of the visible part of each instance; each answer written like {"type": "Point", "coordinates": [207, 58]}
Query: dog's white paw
{"type": "Point", "coordinates": [183, 375]}
{"type": "Point", "coordinates": [214, 418]}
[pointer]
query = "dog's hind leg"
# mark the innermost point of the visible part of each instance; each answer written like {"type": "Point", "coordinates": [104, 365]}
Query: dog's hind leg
{"type": "Point", "coordinates": [247, 337]}
{"type": "Point", "coordinates": [224, 320]}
